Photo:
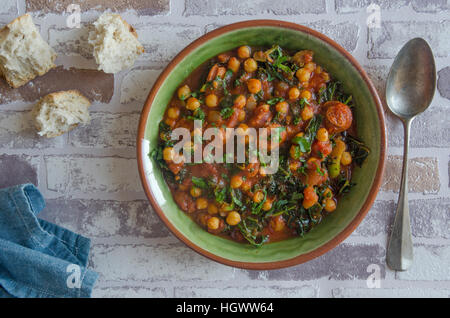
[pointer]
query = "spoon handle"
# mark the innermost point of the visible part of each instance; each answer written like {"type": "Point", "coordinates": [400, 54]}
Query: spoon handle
{"type": "Point", "coordinates": [400, 249]}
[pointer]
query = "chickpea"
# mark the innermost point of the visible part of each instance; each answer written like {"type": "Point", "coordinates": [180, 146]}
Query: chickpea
{"type": "Point", "coordinates": [346, 158]}
{"type": "Point", "coordinates": [310, 66]}
{"type": "Point", "coordinates": [250, 65]}
{"type": "Point", "coordinates": [329, 205]}
{"type": "Point", "coordinates": [213, 223]}
{"type": "Point", "coordinates": [302, 57]}
{"type": "Point", "coordinates": [173, 112]}
{"type": "Point", "coordinates": [244, 52]}
{"type": "Point", "coordinates": [243, 128]}
{"type": "Point", "coordinates": [240, 101]}
{"type": "Point", "coordinates": [246, 185]}
{"type": "Point", "coordinates": [212, 209]}
{"type": "Point", "coordinates": [241, 115]}
{"type": "Point", "coordinates": [192, 103]}
{"type": "Point", "coordinates": [265, 107]}
{"type": "Point", "coordinates": [233, 64]}
{"type": "Point", "coordinates": [168, 154]}
{"type": "Point", "coordinates": [258, 197]}
{"type": "Point", "coordinates": [196, 192]}
{"type": "Point", "coordinates": [254, 85]}
{"type": "Point", "coordinates": [184, 92]}
{"type": "Point", "coordinates": [282, 107]}
{"type": "Point", "coordinates": [236, 181]}
{"type": "Point", "coordinates": [251, 102]}
{"type": "Point", "coordinates": [277, 223]}
{"type": "Point", "coordinates": [201, 203]}
{"type": "Point", "coordinates": [233, 218]}
{"type": "Point", "coordinates": [322, 134]}
{"type": "Point", "coordinates": [303, 74]}
{"type": "Point", "coordinates": [211, 100]}
{"type": "Point", "coordinates": [307, 113]}
{"type": "Point", "coordinates": [294, 93]}
{"type": "Point", "coordinates": [267, 205]}
{"type": "Point", "coordinates": [306, 94]}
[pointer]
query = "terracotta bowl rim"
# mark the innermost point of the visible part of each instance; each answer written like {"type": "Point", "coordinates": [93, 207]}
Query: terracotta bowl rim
{"type": "Point", "coordinates": [321, 249]}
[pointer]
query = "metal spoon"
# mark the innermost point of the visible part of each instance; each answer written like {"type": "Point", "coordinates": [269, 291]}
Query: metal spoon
{"type": "Point", "coordinates": [409, 90]}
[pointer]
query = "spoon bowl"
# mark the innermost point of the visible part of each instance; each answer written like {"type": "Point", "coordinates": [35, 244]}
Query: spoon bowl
{"type": "Point", "coordinates": [412, 80]}
{"type": "Point", "coordinates": [409, 91]}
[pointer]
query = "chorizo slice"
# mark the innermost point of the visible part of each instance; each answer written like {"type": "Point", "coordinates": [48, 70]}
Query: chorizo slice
{"type": "Point", "coordinates": [338, 116]}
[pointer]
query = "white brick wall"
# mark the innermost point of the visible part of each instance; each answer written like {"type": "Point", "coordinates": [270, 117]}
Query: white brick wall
{"type": "Point", "coordinates": [8, 7]}
{"type": "Point", "coordinates": [90, 180]}
{"type": "Point", "coordinates": [136, 85]}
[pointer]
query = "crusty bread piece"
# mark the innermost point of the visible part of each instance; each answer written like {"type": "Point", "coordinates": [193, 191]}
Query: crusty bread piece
{"type": "Point", "coordinates": [60, 112]}
{"type": "Point", "coordinates": [23, 53]}
{"type": "Point", "coordinates": [115, 43]}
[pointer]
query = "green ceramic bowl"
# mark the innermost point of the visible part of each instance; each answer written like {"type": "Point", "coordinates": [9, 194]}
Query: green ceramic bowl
{"type": "Point", "coordinates": [370, 125]}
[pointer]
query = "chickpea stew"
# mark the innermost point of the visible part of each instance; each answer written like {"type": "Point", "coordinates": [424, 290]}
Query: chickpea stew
{"type": "Point", "coordinates": [254, 87]}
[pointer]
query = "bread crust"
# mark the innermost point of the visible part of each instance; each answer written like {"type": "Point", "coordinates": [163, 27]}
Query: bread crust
{"type": "Point", "coordinates": [17, 84]}
{"type": "Point", "coordinates": [51, 97]}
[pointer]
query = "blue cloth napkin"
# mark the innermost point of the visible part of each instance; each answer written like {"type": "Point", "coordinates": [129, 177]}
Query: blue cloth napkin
{"type": "Point", "coordinates": [38, 258]}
